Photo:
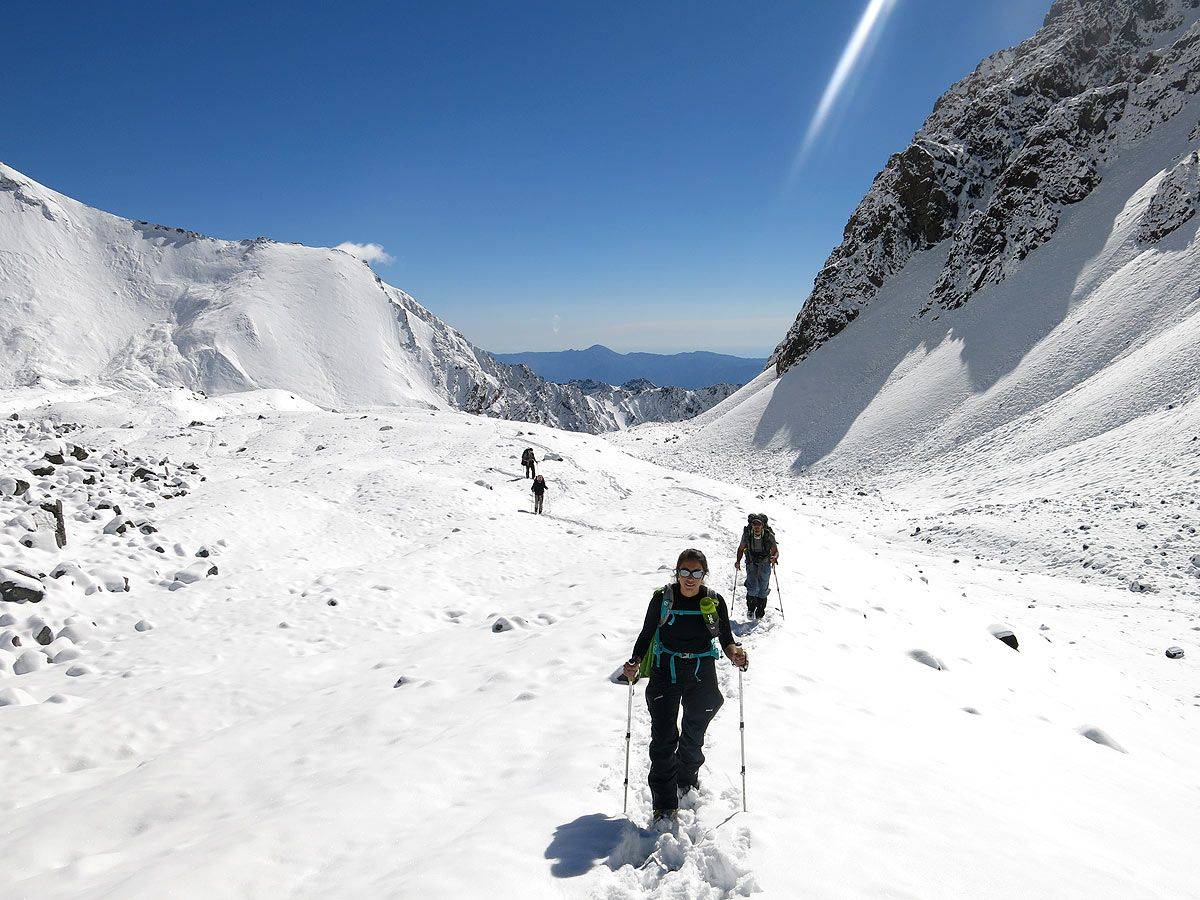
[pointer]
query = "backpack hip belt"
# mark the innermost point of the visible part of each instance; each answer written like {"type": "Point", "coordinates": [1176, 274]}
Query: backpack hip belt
{"type": "Point", "coordinates": [659, 650]}
{"type": "Point", "coordinates": [667, 616]}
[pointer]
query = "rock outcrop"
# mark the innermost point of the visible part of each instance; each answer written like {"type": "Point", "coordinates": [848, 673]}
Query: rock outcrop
{"type": "Point", "coordinates": [1006, 149]}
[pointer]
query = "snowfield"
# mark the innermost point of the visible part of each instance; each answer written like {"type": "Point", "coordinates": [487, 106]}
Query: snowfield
{"type": "Point", "coordinates": [396, 682]}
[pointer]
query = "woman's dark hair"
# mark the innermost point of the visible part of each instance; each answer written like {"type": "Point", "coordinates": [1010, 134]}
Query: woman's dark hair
{"type": "Point", "coordinates": [693, 554]}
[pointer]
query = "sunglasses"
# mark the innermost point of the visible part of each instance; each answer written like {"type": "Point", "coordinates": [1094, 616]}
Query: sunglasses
{"type": "Point", "coordinates": [690, 573]}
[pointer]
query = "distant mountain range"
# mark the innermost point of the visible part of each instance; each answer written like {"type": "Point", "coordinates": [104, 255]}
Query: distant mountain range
{"type": "Point", "coordinates": [697, 369]}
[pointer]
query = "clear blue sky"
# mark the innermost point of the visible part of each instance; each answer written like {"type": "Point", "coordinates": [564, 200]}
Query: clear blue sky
{"type": "Point", "coordinates": [623, 167]}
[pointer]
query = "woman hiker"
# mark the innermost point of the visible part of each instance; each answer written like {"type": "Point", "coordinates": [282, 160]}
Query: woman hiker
{"type": "Point", "coordinates": [684, 622]}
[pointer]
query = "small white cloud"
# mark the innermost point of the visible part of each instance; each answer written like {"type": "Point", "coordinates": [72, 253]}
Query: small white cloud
{"type": "Point", "coordinates": [368, 253]}
{"type": "Point", "coordinates": [557, 321]}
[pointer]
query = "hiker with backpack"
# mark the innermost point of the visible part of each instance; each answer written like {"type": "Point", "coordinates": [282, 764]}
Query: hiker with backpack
{"type": "Point", "coordinates": [539, 493]}
{"type": "Point", "coordinates": [762, 553]}
{"type": "Point", "coordinates": [686, 629]}
{"type": "Point", "coordinates": [529, 461]}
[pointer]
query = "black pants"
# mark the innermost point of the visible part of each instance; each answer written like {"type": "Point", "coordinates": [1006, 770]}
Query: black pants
{"type": "Point", "coordinates": [530, 470]}
{"type": "Point", "coordinates": [756, 607]}
{"type": "Point", "coordinates": [677, 754]}
{"type": "Point", "coordinates": [537, 503]}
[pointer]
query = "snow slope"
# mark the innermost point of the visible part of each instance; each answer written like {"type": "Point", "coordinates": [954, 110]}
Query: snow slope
{"type": "Point", "coordinates": [448, 729]}
{"type": "Point", "coordinates": [87, 297]}
{"type": "Point", "coordinates": [1051, 420]}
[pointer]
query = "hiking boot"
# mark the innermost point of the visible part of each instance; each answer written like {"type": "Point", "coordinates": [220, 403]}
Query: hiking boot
{"type": "Point", "coordinates": [664, 816]}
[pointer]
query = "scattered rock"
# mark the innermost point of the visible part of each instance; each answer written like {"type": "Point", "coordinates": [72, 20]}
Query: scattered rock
{"type": "Point", "coordinates": [118, 524]}
{"type": "Point", "coordinates": [112, 581]}
{"type": "Point", "coordinates": [194, 573]}
{"type": "Point", "coordinates": [501, 624]}
{"type": "Point", "coordinates": [12, 487]}
{"type": "Point", "coordinates": [45, 636]}
{"type": "Point", "coordinates": [143, 625]}
{"type": "Point", "coordinates": [17, 587]}
{"type": "Point", "coordinates": [1174, 653]}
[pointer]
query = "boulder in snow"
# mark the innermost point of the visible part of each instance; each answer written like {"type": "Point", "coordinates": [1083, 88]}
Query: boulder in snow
{"type": "Point", "coordinates": [19, 587]}
{"type": "Point", "coordinates": [29, 661]}
{"type": "Point", "coordinates": [16, 697]}
{"type": "Point", "coordinates": [1005, 634]}
{"type": "Point", "coordinates": [1100, 736]}
{"type": "Point", "coordinates": [927, 659]}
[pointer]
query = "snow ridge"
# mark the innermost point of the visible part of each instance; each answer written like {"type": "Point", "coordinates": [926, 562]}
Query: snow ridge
{"type": "Point", "coordinates": [87, 297]}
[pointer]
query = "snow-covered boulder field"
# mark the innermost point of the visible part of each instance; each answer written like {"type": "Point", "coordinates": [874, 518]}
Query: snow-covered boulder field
{"type": "Point", "coordinates": [397, 683]}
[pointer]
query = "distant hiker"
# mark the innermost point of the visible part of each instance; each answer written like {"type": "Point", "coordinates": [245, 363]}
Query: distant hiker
{"type": "Point", "coordinates": [529, 461]}
{"type": "Point", "coordinates": [539, 493]}
{"type": "Point", "coordinates": [678, 649]}
{"type": "Point", "coordinates": [761, 551]}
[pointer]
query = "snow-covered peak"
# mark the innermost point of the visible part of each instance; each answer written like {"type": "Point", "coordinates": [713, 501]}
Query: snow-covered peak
{"type": "Point", "coordinates": [88, 297]}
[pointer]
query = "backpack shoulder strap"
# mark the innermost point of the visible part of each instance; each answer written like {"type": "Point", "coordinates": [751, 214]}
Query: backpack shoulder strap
{"type": "Point", "coordinates": [668, 602]}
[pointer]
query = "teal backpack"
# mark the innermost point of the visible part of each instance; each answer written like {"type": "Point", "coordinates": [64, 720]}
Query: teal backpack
{"type": "Point", "coordinates": [707, 611]}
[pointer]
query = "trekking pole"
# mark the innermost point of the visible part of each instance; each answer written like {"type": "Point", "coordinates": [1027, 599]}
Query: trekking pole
{"type": "Point", "coordinates": [628, 732]}
{"type": "Point", "coordinates": [778, 592]}
{"type": "Point", "coordinates": [733, 596]}
{"type": "Point", "coordinates": [742, 730]}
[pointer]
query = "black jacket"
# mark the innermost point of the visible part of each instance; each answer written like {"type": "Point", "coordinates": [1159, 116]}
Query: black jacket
{"type": "Point", "coordinates": [687, 634]}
